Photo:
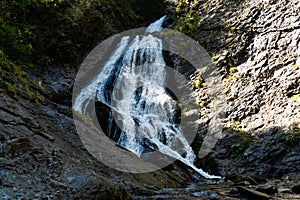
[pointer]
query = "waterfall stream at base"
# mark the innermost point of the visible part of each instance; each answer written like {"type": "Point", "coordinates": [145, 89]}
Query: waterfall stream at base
{"type": "Point", "coordinates": [142, 115]}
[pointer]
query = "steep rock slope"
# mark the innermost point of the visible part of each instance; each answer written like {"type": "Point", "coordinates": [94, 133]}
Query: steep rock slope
{"type": "Point", "coordinates": [256, 45]}
{"type": "Point", "coordinates": [41, 155]}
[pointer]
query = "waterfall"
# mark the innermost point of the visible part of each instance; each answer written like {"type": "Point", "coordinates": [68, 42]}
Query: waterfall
{"type": "Point", "coordinates": [131, 84]}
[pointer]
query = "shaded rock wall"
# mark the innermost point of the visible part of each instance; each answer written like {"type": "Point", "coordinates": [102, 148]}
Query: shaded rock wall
{"type": "Point", "coordinates": [256, 46]}
{"type": "Point", "coordinates": [41, 155]}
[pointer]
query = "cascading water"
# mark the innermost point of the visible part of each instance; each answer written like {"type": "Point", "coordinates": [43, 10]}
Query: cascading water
{"type": "Point", "coordinates": [131, 85]}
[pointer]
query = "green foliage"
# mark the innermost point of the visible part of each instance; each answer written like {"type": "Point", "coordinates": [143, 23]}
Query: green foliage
{"type": "Point", "coordinates": [16, 82]}
{"type": "Point", "coordinates": [232, 77]}
{"type": "Point", "coordinates": [241, 141]}
{"type": "Point", "coordinates": [213, 57]}
{"type": "Point", "coordinates": [35, 33]}
{"type": "Point", "coordinates": [197, 83]}
{"type": "Point", "coordinates": [251, 180]}
{"type": "Point", "coordinates": [235, 124]}
{"type": "Point", "coordinates": [232, 73]}
{"type": "Point", "coordinates": [296, 97]}
{"type": "Point", "coordinates": [238, 148]}
{"type": "Point", "coordinates": [290, 138]}
{"type": "Point", "coordinates": [296, 129]}
{"type": "Point", "coordinates": [184, 111]}
{"type": "Point", "coordinates": [200, 102]}
{"type": "Point", "coordinates": [56, 31]}
{"type": "Point", "coordinates": [188, 24]}
{"type": "Point", "coordinates": [232, 69]}
{"type": "Point", "coordinates": [180, 6]}
{"type": "Point", "coordinates": [12, 43]}
{"type": "Point", "coordinates": [187, 21]}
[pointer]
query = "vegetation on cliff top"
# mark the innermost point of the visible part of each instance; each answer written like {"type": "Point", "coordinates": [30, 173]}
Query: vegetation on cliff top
{"type": "Point", "coordinates": [37, 33]}
{"type": "Point", "coordinates": [55, 31]}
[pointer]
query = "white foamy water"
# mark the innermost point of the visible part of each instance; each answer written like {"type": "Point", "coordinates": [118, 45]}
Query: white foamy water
{"type": "Point", "coordinates": [131, 84]}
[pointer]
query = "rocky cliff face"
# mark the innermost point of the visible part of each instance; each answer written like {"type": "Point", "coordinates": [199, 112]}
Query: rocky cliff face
{"type": "Point", "coordinates": [256, 45]}
{"type": "Point", "coordinates": [42, 156]}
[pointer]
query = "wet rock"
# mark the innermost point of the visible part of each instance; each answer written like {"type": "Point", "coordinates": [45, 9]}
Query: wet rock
{"type": "Point", "coordinates": [46, 136]}
{"type": "Point", "coordinates": [234, 191]}
{"type": "Point", "coordinates": [284, 191]}
{"type": "Point", "coordinates": [58, 84]}
{"type": "Point", "coordinates": [100, 192]}
{"type": "Point", "coordinates": [268, 189]}
{"type": "Point", "coordinates": [234, 177]}
{"type": "Point", "coordinates": [18, 146]}
{"type": "Point", "coordinates": [296, 189]}
{"type": "Point", "coordinates": [252, 194]}
{"type": "Point", "coordinates": [248, 180]}
{"type": "Point", "coordinates": [243, 183]}
{"type": "Point", "coordinates": [206, 193]}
